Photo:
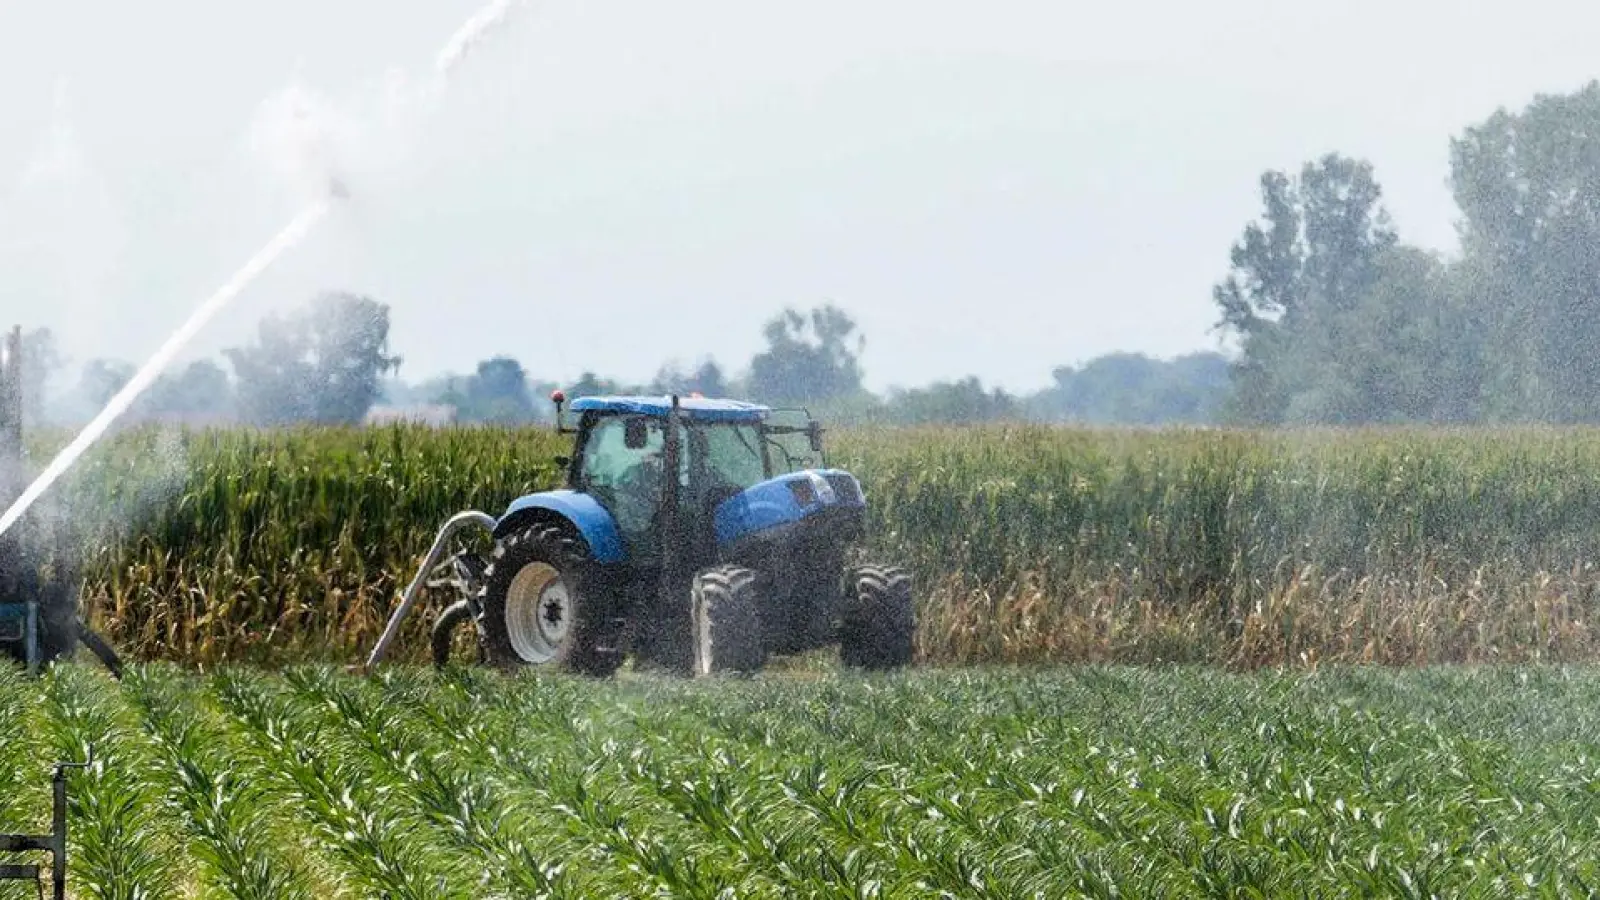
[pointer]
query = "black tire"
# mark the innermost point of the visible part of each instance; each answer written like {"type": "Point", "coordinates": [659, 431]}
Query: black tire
{"type": "Point", "coordinates": [444, 631]}
{"type": "Point", "coordinates": [878, 621]}
{"type": "Point", "coordinates": [727, 622]}
{"type": "Point", "coordinates": [585, 637]}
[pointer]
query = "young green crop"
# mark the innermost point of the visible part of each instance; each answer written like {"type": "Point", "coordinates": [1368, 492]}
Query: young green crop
{"type": "Point", "coordinates": [1095, 781]}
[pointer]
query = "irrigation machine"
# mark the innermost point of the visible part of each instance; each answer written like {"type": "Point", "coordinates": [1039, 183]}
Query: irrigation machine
{"type": "Point", "coordinates": [695, 535]}
{"type": "Point", "coordinates": [39, 572]}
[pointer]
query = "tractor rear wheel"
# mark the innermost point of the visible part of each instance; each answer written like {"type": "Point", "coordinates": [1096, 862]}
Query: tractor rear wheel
{"type": "Point", "coordinates": [878, 621]}
{"type": "Point", "coordinates": [537, 610]}
{"type": "Point", "coordinates": [727, 622]}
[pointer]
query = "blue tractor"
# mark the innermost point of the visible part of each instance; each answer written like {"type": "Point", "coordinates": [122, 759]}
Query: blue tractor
{"type": "Point", "coordinates": [694, 535]}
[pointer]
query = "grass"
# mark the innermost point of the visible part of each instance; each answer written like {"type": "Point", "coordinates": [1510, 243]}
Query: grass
{"type": "Point", "coordinates": [1029, 544]}
{"type": "Point", "coordinates": [238, 783]}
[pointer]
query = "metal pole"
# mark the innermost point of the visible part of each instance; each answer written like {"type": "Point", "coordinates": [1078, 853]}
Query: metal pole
{"type": "Point", "coordinates": [671, 597]}
{"type": "Point", "coordinates": [13, 393]}
{"type": "Point", "coordinates": [30, 635]}
{"type": "Point", "coordinates": [58, 836]}
{"type": "Point", "coordinates": [456, 523]}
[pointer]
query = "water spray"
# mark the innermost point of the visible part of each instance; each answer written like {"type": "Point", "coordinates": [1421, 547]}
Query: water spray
{"type": "Point", "coordinates": [455, 50]}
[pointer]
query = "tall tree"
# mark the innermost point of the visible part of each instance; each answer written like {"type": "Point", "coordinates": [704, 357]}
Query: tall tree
{"type": "Point", "coordinates": [103, 379]}
{"type": "Point", "coordinates": [961, 402]}
{"type": "Point", "coordinates": [591, 385]}
{"type": "Point", "coordinates": [499, 393]}
{"type": "Point", "coordinates": [706, 380]}
{"type": "Point", "coordinates": [324, 363]}
{"type": "Point", "coordinates": [1528, 185]}
{"type": "Point", "coordinates": [1297, 279]}
{"type": "Point", "coordinates": [1135, 389]}
{"type": "Point", "coordinates": [41, 361]}
{"type": "Point", "coordinates": [813, 356]}
{"type": "Point", "coordinates": [200, 389]}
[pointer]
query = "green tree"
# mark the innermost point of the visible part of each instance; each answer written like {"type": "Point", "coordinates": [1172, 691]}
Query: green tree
{"type": "Point", "coordinates": [961, 402]}
{"type": "Point", "coordinates": [498, 393]}
{"type": "Point", "coordinates": [200, 389]}
{"type": "Point", "coordinates": [1297, 280]}
{"type": "Point", "coordinates": [324, 363]}
{"type": "Point", "coordinates": [41, 361]}
{"type": "Point", "coordinates": [1135, 389]}
{"type": "Point", "coordinates": [706, 380]}
{"type": "Point", "coordinates": [103, 379]}
{"type": "Point", "coordinates": [591, 385]}
{"type": "Point", "coordinates": [1528, 186]}
{"type": "Point", "coordinates": [809, 357]}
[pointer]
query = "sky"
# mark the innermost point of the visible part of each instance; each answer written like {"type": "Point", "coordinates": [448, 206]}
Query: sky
{"type": "Point", "coordinates": [993, 189]}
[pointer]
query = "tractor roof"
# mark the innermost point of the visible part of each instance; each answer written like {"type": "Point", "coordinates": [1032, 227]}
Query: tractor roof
{"type": "Point", "coordinates": [696, 408]}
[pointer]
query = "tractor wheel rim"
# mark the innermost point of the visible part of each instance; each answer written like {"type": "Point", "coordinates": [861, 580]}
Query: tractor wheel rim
{"type": "Point", "coordinates": [539, 610]}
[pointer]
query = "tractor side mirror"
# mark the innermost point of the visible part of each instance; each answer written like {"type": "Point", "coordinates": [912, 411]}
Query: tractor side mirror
{"type": "Point", "coordinates": [814, 431]}
{"type": "Point", "coordinates": [635, 434]}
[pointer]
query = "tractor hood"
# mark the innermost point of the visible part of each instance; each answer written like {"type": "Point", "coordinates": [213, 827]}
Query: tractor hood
{"type": "Point", "coordinates": [787, 500]}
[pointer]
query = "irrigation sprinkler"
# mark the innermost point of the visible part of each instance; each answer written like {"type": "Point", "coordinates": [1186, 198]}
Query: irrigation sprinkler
{"type": "Point", "coordinates": [455, 51]}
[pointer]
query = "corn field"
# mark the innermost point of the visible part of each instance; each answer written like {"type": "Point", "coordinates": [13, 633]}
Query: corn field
{"type": "Point", "coordinates": [1029, 544]}
{"type": "Point", "coordinates": [1447, 782]}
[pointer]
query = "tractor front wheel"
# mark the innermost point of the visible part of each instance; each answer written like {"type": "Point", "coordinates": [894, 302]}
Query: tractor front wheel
{"type": "Point", "coordinates": [536, 609]}
{"type": "Point", "coordinates": [878, 619]}
{"type": "Point", "coordinates": [443, 636]}
{"type": "Point", "coordinates": [727, 622]}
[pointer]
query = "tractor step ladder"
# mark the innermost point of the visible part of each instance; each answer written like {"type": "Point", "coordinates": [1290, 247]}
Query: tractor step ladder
{"type": "Point", "coordinates": [54, 843]}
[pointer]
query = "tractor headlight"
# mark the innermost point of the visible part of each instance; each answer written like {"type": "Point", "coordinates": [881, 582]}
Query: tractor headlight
{"type": "Point", "coordinates": [810, 489]}
{"type": "Point", "coordinates": [804, 493]}
{"type": "Point", "coordinates": [846, 488]}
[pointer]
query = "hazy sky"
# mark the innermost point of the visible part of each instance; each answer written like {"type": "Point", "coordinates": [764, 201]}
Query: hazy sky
{"type": "Point", "coordinates": [993, 188]}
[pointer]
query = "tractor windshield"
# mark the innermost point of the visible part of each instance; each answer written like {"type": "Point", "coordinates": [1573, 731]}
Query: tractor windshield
{"type": "Point", "coordinates": [733, 454]}
{"type": "Point", "coordinates": [789, 442]}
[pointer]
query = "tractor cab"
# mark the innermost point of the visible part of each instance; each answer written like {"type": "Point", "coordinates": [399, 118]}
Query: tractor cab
{"type": "Point", "coordinates": [716, 449]}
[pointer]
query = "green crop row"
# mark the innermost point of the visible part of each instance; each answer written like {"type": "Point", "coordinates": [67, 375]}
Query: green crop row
{"type": "Point", "coordinates": [1028, 543]}
{"type": "Point", "coordinates": [1092, 781]}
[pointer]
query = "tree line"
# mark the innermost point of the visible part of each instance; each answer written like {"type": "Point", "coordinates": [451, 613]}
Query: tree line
{"type": "Point", "coordinates": [329, 363]}
{"type": "Point", "coordinates": [1338, 320]}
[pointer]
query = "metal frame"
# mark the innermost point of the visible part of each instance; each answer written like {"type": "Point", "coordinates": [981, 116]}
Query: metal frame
{"type": "Point", "coordinates": [459, 522]}
{"type": "Point", "coordinates": [54, 843]}
{"type": "Point", "coordinates": [11, 397]}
